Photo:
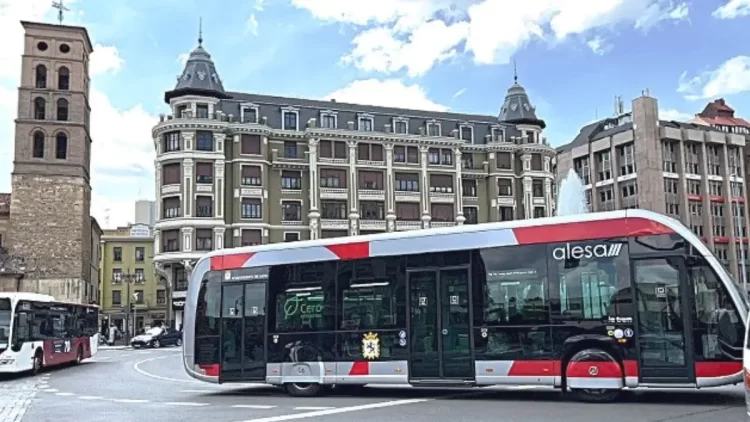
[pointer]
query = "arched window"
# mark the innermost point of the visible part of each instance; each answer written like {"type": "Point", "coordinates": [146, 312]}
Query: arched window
{"type": "Point", "coordinates": [41, 76]}
{"type": "Point", "coordinates": [62, 109]}
{"type": "Point", "coordinates": [38, 147]}
{"type": "Point", "coordinates": [39, 108]}
{"type": "Point", "coordinates": [63, 78]}
{"type": "Point", "coordinates": [61, 146]}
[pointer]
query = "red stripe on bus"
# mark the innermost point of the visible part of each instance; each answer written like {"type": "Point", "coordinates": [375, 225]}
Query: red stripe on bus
{"type": "Point", "coordinates": [229, 262]}
{"type": "Point", "coordinates": [360, 368]}
{"type": "Point", "coordinates": [716, 369]}
{"type": "Point", "coordinates": [534, 368]}
{"type": "Point", "coordinates": [346, 251]}
{"type": "Point", "coordinates": [584, 369]}
{"type": "Point", "coordinates": [210, 370]}
{"type": "Point", "coordinates": [589, 230]}
{"type": "Point", "coordinates": [631, 368]}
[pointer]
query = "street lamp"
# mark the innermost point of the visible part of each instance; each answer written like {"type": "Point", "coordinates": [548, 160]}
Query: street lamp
{"type": "Point", "coordinates": [128, 278]}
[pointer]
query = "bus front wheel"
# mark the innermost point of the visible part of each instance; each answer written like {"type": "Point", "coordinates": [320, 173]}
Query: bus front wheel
{"type": "Point", "coordinates": [303, 389]}
{"type": "Point", "coordinates": [37, 362]}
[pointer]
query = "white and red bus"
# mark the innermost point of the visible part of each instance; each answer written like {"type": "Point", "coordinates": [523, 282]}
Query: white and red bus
{"type": "Point", "coordinates": [591, 304]}
{"type": "Point", "coordinates": [36, 331]}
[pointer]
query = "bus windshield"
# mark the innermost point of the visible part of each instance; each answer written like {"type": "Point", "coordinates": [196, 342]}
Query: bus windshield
{"type": "Point", "coordinates": [5, 314]}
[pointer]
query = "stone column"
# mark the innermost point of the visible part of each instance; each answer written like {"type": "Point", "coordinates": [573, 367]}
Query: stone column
{"type": "Point", "coordinates": [424, 187]}
{"type": "Point", "coordinates": [157, 242]}
{"type": "Point", "coordinates": [187, 187]}
{"type": "Point", "coordinates": [390, 190]}
{"type": "Point", "coordinates": [187, 239]}
{"type": "Point", "coordinates": [460, 219]}
{"type": "Point", "coordinates": [528, 198]}
{"type": "Point", "coordinates": [353, 202]}
{"type": "Point", "coordinates": [159, 202]}
{"type": "Point", "coordinates": [187, 140]}
{"type": "Point", "coordinates": [219, 237]}
{"type": "Point", "coordinates": [548, 197]}
{"type": "Point", "coordinates": [219, 189]}
{"type": "Point", "coordinates": [313, 215]}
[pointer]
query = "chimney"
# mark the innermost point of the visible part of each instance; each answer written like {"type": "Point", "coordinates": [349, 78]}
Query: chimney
{"type": "Point", "coordinates": [333, 100]}
{"type": "Point", "coordinates": [387, 128]}
{"type": "Point", "coordinates": [350, 125]}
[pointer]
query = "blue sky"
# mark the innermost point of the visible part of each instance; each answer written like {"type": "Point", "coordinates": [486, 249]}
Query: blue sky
{"type": "Point", "coordinates": [572, 56]}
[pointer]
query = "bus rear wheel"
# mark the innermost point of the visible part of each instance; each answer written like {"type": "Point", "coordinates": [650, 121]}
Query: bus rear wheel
{"type": "Point", "coordinates": [595, 396]}
{"type": "Point", "coordinates": [303, 389]}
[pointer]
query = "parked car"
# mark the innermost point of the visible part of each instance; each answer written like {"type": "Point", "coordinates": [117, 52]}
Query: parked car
{"type": "Point", "coordinates": [157, 337]}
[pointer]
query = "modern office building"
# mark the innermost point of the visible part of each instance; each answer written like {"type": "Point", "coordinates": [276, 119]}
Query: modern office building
{"type": "Point", "coordinates": [130, 291]}
{"type": "Point", "coordinates": [239, 169]}
{"type": "Point", "coordinates": [145, 212]}
{"type": "Point", "coordinates": [693, 171]}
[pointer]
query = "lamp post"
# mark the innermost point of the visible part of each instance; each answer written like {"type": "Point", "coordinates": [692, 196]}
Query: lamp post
{"type": "Point", "coordinates": [129, 278]}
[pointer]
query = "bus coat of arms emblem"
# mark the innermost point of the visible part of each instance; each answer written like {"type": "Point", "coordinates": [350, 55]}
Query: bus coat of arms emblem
{"type": "Point", "coordinates": [370, 346]}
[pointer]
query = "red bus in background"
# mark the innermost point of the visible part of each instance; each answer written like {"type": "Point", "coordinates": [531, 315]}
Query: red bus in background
{"type": "Point", "coordinates": [36, 331]}
{"type": "Point", "coordinates": [591, 304]}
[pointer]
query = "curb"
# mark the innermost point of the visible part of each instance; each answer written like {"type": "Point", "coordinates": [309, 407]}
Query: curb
{"type": "Point", "coordinates": [115, 348]}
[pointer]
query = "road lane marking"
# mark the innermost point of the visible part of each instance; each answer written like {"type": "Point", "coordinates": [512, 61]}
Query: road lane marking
{"type": "Point", "coordinates": [137, 367]}
{"type": "Point", "coordinates": [130, 401]}
{"type": "Point", "coordinates": [91, 398]}
{"type": "Point", "coordinates": [184, 403]}
{"type": "Point", "coordinates": [51, 390]}
{"type": "Point", "coordinates": [201, 391]}
{"type": "Point", "coordinates": [327, 412]}
{"type": "Point", "coordinates": [253, 406]}
{"type": "Point", "coordinates": [65, 394]}
{"type": "Point", "coordinates": [313, 408]}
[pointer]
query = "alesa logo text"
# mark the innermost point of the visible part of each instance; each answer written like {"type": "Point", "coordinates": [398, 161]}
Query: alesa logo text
{"type": "Point", "coordinates": [589, 251]}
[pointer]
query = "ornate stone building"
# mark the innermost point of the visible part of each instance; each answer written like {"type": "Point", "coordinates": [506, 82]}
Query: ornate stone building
{"type": "Point", "coordinates": [236, 169]}
{"type": "Point", "coordinates": [51, 235]}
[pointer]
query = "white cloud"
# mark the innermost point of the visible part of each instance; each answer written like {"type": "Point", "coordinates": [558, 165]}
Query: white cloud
{"type": "Point", "coordinates": [733, 9]}
{"type": "Point", "coordinates": [731, 77]}
{"type": "Point", "coordinates": [252, 24]}
{"type": "Point", "coordinates": [259, 5]}
{"type": "Point", "coordinates": [392, 42]}
{"type": "Point", "coordinates": [182, 59]}
{"type": "Point", "coordinates": [459, 93]}
{"type": "Point", "coordinates": [122, 150]}
{"type": "Point", "coordinates": [676, 115]}
{"type": "Point", "coordinates": [599, 45]}
{"type": "Point", "coordinates": [387, 93]}
{"type": "Point", "coordinates": [105, 59]}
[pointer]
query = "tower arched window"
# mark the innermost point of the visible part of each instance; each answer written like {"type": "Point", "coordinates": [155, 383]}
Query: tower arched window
{"type": "Point", "coordinates": [63, 78]}
{"type": "Point", "coordinates": [39, 108]}
{"type": "Point", "coordinates": [41, 76]}
{"type": "Point", "coordinates": [38, 147]}
{"type": "Point", "coordinates": [62, 110]}
{"type": "Point", "coordinates": [61, 146]}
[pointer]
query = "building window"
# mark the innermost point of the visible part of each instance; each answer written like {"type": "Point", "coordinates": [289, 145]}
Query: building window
{"type": "Point", "coordinates": [249, 115]}
{"type": "Point", "coordinates": [433, 129]}
{"type": "Point", "coordinates": [117, 254]}
{"type": "Point", "coordinates": [171, 207]}
{"type": "Point", "coordinates": [63, 79]}
{"type": "Point", "coordinates": [204, 206]}
{"type": "Point", "coordinates": [466, 133]}
{"type": "Point", "coordinates": [204, 239]}
{"type": "Point", "coordinates": [332, 178]}
{"type": "Point", "coordinates": [61, 146]}
{"type": "Point", "coordinates": [504, 187]}
{"type": "Point", "coordinates": [371, 180]}
{"type": "Point", "coordinates": [62, 110]}
{"type": "Point", "coordinates": [205, 141]}
{"type": "Point", "coordinates": [506, 214]}
{"type": "Point", "coordinates": [291, 211]}
{"type": "Point", "coordinates": [372, 210]}
{"type": "Point", "coordinates": [333, 210]}
{"type": "Point", "coordinates": [504, 160]}
{"type": "Point", "coordinates": [328, 121]}
{"type": "Point", "coordinates": [251, 237]}
{"type": "Point", "coordinates": [171, 174]}
{"type": "Point", "coordinates": [139, 275]}
{"type": "Point", "coordinates": [290, 150]}
{"type": "Point", "coordinates": [140, 254]}
{"type": "Point", "coordinates": [369, 152]}
{"type": "Point", "coordinates": [40, 108]}
{"type": "Point", "coordinates": [537, 188]}
{"type": "Point", "coordinates": [400, 126]}
{"type": "Point", "coordinates": [204, 173]}
{"type": "Point", "coordinates": [38, 150]}
{"type": "Point", "coordinates": [442, 212]}
{"type": "Point", "coordinates": [171, 141]}
{"type": "Point", "coordinates": [407, 211]}
{"type": "Point", "coordinates": [407, 182]}
{"type": "Point", "coordinates": [291, 180]}
{"type": "Point", "coordinates": [402, 154]}
{"type": "Point", "coordinates": [170, 240]}
{"type": "Point", "coordinates": [471, 214]}
{"type": "Point", "coordinates": [139, 297]}
{"type": "Point", "coordinates": [290, 120]}
{"type": "Point", "coordinates": [161, 297]}
{"type": "Point", "coordinates": [250, 176]}
{"type": "Point", "coordinates": [117, 275]}
{"type": "Point", "coordinates": [366, 124]}
{"type": "Point", "coordinates": [497, 134]}
{"type": "Point", "coordinates": [251, 208]}
{"type": "Point", "coordinates": [627, 160]}
{"type": "Point", "coordinates": [291, 236]}
{"type": "Point", "coordinates": [539, 212]}
{"type": "Point", "coordinates": [201, 111]}
{"type": "Point", "coordinates": [469, 187]}
{"type": "Point", "coordinates": [334, 149]}
{"type": "Point", "coordinates": [250, 144]}
{"type": "Point", "coordinates": [441, 183]}
{"type": "Point", "coordinates": [41, 76]}
{"type": "Point", "coordinates": [116, 298]}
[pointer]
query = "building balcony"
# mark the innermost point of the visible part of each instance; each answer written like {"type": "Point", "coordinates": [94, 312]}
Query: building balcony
{"type": "Point", "coordinates": [408, 196]}
{"type": "Point", "coordinates": [170, 189]}
{"type": "Point", "coordinates": [371, 195]}
{"type": "Point", "coordinates": [334, 193]}
{"type": "Point", "coordinates": [372, 225]}
{"type": "Point", "coordinates": [253, 191]}
{"type": "Point", "coordinates": [408, 225]}
{"type": "Point", "coordinates": [438, 224]}
{"type": "Point", "coordinates": [442, 197]}
{"type": "Point", "coordinates": [334, 224]}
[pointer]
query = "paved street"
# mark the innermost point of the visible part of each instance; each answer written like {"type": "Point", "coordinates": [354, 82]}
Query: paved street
{"type": "Point", "coordinates": [137, 385]}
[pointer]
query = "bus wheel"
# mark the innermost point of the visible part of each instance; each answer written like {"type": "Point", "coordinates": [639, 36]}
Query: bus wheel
{"type": "Point", "coordinates": [79, 355]}
{"type": "Point", "coordinates": [595, 396]}
{"type": "Point", "coordinates": [303, 389]}
{"type": "Point", "coordinates": [37, 362]}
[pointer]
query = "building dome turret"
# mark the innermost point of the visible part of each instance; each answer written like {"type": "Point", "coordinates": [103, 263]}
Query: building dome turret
{"type": "Point", "coordinates": [199, 77]}
{"type": "Point", "coordinates": [517, 108]}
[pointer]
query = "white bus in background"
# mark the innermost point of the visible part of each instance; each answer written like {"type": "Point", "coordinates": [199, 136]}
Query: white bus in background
{"type": "Point", "coordinates": [591, 304]}
{"type": "Point", "coordinates": [37, 331]}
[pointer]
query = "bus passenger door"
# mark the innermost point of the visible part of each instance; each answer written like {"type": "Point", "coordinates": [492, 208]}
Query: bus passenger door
{"type": "Point", "coordinates": [663, 330]}
{"type": "Point", "coordinates": [243, 332]}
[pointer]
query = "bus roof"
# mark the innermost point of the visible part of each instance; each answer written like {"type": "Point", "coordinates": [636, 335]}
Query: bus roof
{"type": "Point", "coordinates": [37, 297]}
{"type": "Point", "coordinates": [590, 226]}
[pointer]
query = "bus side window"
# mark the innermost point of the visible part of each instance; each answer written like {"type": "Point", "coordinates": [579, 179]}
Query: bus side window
{"type": "Point", "coordinates": [22, 327]}
{"type": "Point", "coordinates": [717, 327]}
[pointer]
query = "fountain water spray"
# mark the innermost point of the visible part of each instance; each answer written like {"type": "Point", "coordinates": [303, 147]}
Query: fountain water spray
{"type": "Point", "coordinates": [571, 196]}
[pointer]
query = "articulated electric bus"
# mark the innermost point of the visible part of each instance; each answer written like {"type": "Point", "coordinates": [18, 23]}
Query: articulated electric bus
{"type": "Point", "coordinates": [590, 303]}
{"type": "Point", "coordinates": [36, 331]}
